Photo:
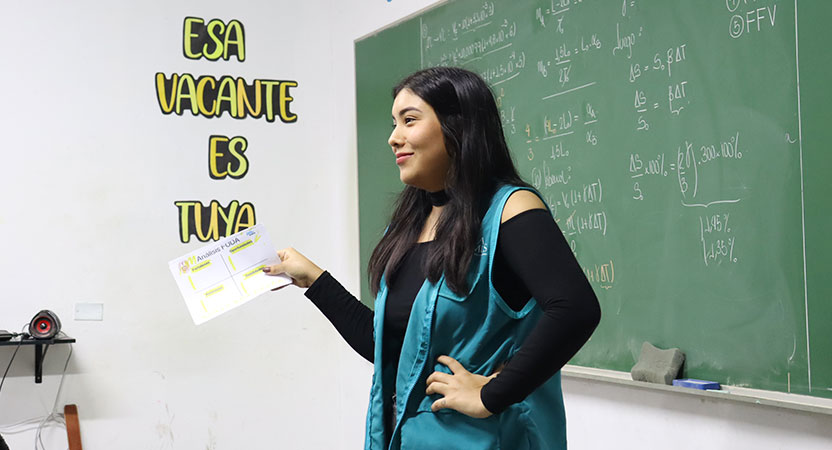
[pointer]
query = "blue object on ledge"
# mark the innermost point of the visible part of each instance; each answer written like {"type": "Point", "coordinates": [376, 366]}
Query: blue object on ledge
{"type": "Point", "coordinates": [696, 384]}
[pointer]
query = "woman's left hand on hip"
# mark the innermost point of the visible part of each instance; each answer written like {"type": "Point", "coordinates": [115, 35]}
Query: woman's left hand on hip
{"type": "Point", "coordinates": [460, 391]}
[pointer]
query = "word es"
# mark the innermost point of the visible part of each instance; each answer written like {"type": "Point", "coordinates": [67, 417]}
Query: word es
{"type": "Point", "coordinates": [225, 157]}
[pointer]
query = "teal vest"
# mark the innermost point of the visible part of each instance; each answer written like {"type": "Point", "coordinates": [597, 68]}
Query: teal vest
{"type": "Point", "coordinates": [480, 331]}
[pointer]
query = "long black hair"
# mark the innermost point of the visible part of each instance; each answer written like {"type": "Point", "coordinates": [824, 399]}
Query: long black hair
{"type": "Point", "coordinates": [480, 162]}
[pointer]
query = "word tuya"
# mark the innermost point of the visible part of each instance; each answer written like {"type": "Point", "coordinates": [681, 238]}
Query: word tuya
{"type": "Point", "coordinates": [196, 219]}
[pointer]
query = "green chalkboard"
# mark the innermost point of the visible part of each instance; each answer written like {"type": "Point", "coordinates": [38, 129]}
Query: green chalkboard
{"type": "Point", "coordinates": [681, 147]}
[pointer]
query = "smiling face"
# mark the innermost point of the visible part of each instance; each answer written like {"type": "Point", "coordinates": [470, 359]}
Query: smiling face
{"type": "Point", "coordinates": [418, 143]}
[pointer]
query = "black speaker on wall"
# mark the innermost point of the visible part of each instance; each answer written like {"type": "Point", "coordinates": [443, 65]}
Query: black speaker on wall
{"type": "Point", "coordinates": [45, 325]}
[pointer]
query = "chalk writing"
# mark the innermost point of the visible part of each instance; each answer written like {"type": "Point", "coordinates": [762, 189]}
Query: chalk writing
{"type": "Point", "coordinates": [751, 21]}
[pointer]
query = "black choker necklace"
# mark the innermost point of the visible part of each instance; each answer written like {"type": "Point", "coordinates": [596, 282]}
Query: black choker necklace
{"type": "Point", "coordinates": [438, 198]}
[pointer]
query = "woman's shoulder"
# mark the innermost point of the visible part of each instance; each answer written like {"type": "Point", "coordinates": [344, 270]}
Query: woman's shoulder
{"type": "Point", "coordinates": [520, 201]}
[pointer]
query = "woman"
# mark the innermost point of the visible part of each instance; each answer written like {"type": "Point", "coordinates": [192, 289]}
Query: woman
{"type": "Point", "coordinates": [479, 300]}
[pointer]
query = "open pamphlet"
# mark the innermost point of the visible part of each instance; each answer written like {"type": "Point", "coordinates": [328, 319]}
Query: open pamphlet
{"type": "Point", "coordinates": [227, 273]}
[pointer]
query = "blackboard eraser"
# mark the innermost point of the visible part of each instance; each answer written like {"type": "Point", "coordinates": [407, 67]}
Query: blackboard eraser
{"type": "Point", "coordinates": [697, 384]}
{"type": "Point", "coordinates": [655, 365]}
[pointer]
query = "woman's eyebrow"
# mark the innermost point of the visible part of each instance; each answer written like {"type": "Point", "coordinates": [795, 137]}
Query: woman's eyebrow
{"type": "Point", "coordinates": [408, 109]}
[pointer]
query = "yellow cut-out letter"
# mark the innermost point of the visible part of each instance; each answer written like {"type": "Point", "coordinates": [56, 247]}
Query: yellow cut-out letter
{"type": "Point", "coordinates": [227, 93]}
{"type": "Point", "coordinates": [189, 37]}
{"type": "Point", "coordinates": [218, 51]}
{"type": "Point", "coordinates": [285, 99]}
{"type": "Point", "coordinates": [186, 80]}
{"type": "Point", "coordinates": [229, 216]}
{"type": "Point", "coordinates": [184, 215]}
{"type": "Point", "coordinates": [244, 103]}
{"type": "Point", "coordinates": [214, 154]}
{"type": "Point", "coordinates": [246, 210]}
{"type": "Point", "coordinates": [236, 148]}
{"type": "Point", "coordinates": [238, 41]}
{"type": "Point", "coordinates": [200, 96]}
{"type": "Point", "coordinates": [270, 98]}
{"type": "Point", "coordinates": [162, 94]}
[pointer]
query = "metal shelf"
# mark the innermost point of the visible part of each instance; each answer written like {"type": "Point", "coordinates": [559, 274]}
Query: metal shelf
{"type": "Point", "coordinates": [41, 346]}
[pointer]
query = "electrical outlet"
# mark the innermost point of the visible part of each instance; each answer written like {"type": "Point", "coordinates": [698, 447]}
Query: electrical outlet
{"type": "Point", "coordinates": [89, 311]}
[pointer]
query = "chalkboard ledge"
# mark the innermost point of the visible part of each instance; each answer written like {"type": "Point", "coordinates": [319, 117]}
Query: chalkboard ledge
{"type": "Point", "coordinates": [731, 393]}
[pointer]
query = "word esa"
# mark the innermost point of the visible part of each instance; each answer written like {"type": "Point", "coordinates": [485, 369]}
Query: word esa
{"type": "Point", "coordinates": [213, 41]}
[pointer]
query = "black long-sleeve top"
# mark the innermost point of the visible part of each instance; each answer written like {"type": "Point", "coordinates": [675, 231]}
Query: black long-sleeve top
{"type": "Point", "coordinates": [533, 259]}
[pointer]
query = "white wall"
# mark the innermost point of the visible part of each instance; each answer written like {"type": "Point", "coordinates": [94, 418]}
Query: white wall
{"type": "Point", "coordinates": [604, 415]}
{"type": "Point", "coordinates": [92, 171]}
